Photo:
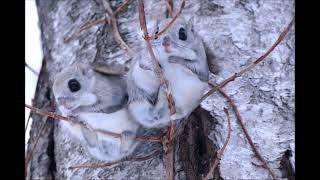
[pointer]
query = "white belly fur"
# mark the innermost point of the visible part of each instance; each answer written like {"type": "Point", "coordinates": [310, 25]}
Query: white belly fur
{"type": "Point", "coordinates": [186, 87]}
{"type": "Point", "coordinates": [145, 79]}
{"type": "Point", "coordinates": [117, 122]}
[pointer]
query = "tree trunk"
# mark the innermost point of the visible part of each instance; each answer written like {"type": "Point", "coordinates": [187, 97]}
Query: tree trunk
{"type": "Point", "coordinates": [235, 33]}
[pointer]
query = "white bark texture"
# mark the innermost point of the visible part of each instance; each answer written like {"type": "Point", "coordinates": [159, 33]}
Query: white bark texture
{"type": "Point", "coordinates": [235, 33]}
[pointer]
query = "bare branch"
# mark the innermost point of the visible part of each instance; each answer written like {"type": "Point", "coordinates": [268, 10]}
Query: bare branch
{"type": "Point", "coordinates": [122, 7]}
{"type": "Point", "coordinates": [109, 133]}
{"type": "Point", "coordinates": [168, 139]}
{"type": "Point", "coordinates": [29, 117]}
{"type": "Point", "coordinates": [115, 30]}
{"type": "Point", "coordinates": [88, 25]}
{"type": "Point", "coordinates": [31, 69]}
{"type": "Point", "coordinates": [168, 147]}
{"type": "Point", "coordinates": [255, 150]}
{"type": "Point", "coordinates": [172, 21]}
{"type": "Point", "coordinates": [48, 114]}
{"type": "Point", "coordinates": [28, 120]}
{"type": "Point", "coordinates": [219, 154]}
{"type": "Point", "coordinates": [169, 12]}
{"type": "Point", "coordinates": [83, 28]}
{"type": "Point", "coordinates": [158, 70]}
{"type": "Point", "coordinates": [168, 159]}
{"type": "Point", "coordinates": [155, 153]}
{"type": "Point", "coordinates": [254, 64]}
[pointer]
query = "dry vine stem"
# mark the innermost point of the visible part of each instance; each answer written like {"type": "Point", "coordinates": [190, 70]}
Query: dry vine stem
{"type": "Point", "coordinates": [94, 166]}
{"type": "Point", "coordinates": [101, 20]}
{"type": "Point", "coordinates": [113, 21]}
{"type": "Point", "coordinates": [164, 84]}
{"type": "Point", "coordinates": [121, 7]}
{"type": "Point", "coordinates": [183, 3]}
{"type": "Point", "coordinates": [157, 70]}
{"type": "Point", "coordinates": [109, 133]}
{"type": "Point", "coordinates": [31, 69]}
{"type": "Point", "coordinates": [168, 139]}
{"type": "Point", "coordinates": [83, 28]}
{"type": "Point", "coordinates": [168, 147]}
{"type": "Point", "coordinates": [255, 150]}
{"type": "Point", "coordinates": [169, 4]}
{"type": "Point", "coordinates": [254, 64]}
{"type": "Point", "coordinates": [219, 154]}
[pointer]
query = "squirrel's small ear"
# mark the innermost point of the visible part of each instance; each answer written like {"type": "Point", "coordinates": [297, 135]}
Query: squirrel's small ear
{"type": "Point", "coordinates": [85, 69]}
{"type": "Point", "coordinates": [190, 24]}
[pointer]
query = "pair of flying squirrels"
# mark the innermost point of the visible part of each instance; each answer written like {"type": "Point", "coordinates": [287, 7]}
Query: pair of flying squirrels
{"type": "Point", "coordinates": [122, 102]}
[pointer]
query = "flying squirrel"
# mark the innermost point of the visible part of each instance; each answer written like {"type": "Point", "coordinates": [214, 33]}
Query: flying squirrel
{"type": "Point", "coordinates": [96, 98]}
{"type": "Point", "coordinates": [181, 55]}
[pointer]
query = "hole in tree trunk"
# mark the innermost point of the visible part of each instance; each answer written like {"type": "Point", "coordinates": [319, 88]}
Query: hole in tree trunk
{"type": "Point", "coordinates": [286, 166]}
{"type": "Point", "coordinates": [196, 151]}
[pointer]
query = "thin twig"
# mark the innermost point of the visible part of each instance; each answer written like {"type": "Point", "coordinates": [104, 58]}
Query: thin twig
{"type": "Point", "coordinates": [28, 120]}
{"type": "Point", "coordinates": [31, 69]}
{"type": "Point", "coordinates": [109, 133]}
{"type": "Point", "coordinates": [155, 153]}
{"type": "Point", "coordinates": [219, 154]}
{"type": "Point", "coordinates": [255, 63]}
{"type": "Point", "coordinates": [167, 142]}
{"type": "Point", "coordinates": [83, 28]}
{"type": "Point", "coordinates": [49, 114]}
{"type": "Point", "coordinates": [171, 22]}
{"type": "Point", "coordinates": [168, 147]}
{"type": "Point", "coordinates": [122, 7]}
{"type": "Point", "coordinates": [168, 159]}
{"type": "Point", "coordinates": [115, 30]}
{"type": "Point", "coordinates": [29, 117]}
{"type": "Point", "coordinates": [169, 12]}
{"type": "Point", "coordinates": [29, 154]}
{"type": "Point", "coordinates": [158, 71]}
{"type": "Point", "coordinates": [93, 23]}
{"type": "Point", "coordinates": [255, 150]}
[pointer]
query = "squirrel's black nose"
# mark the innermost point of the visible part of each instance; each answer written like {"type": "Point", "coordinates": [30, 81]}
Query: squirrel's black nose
{"type": "Point", "coordinates": [166, 41]}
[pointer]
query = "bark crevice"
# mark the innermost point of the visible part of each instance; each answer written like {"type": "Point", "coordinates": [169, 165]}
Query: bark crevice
{"type": "Point", "coordinates": [200, 153]}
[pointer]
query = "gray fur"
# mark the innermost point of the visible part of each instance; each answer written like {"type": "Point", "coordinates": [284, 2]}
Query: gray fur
{"type": "Point", "coordinates": [201, 73]}
{"type": "Point", "coordinates": [99, 104]}
{"type": "Point", "coordinates": [90, 137]}
{"type": "Point", "coordinates": [137, 93]}
{"type": "Point", "coordinates": [110, 91]}
{"type": "Point", "coordinates": [184, 64]}
{"type": "Point", "coordinates": [198, 66]}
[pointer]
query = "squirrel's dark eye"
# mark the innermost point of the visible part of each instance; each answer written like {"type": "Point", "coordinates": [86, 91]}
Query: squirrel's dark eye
{"type": "Point", "coordinates": [74, 85]}
{"type": "Point", "coordinates": [182, 34]}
